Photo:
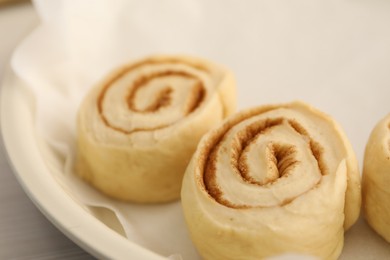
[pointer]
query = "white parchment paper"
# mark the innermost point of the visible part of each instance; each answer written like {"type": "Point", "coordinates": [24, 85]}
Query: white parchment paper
{"type": "Point", "coordinates": [332, 54]}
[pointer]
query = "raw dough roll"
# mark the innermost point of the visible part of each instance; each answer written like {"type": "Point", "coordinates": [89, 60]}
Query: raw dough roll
{"type": "Point", "coordinates": [271, 180]}
{"type": "Point", "coordinates": [138, 129]}
{"type": "Point", "coordinates": [376, 179]}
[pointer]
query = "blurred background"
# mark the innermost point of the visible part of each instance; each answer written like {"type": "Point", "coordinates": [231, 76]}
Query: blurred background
{"type": "Point", "coordinates": [24, 232]}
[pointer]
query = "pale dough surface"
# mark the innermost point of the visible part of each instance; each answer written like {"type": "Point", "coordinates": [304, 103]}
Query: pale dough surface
{"type": "Point", "coordinates": [376, 179]}
{"type": "Point", "coordinates": [304, 207]}
{"type": "Point", "coordinates": [138, 128]}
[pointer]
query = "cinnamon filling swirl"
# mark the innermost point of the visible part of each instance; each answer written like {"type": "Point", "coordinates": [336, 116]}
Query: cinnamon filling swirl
{"type": "Point", "coordinates": [160, 100]}
{"type": "Point", "coordinates": [281, 157]}
{"type": "Point", "coordinates": [271, 180]}
{"type": "Point", "coordinates": [138, 128]}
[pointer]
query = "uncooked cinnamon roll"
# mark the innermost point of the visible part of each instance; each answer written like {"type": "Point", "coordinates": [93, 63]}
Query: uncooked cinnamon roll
{"type": "Point", "coordinates": [376, 179]}
{"type": "Point", "coordinates": [138, 129]}
{"type": "Point", "coordinates": [271, 180]}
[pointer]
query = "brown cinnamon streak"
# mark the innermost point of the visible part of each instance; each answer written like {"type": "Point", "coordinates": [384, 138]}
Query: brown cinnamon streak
{"type": "Point", "coordinates": [282, 155]}
{"type": "Point", "coordinates": [163, 98]}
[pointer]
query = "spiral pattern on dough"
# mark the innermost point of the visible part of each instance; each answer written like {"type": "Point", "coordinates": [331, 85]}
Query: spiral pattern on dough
{"type": "Point", "coordinates": [172, 93]}
{"type": "Point", "coordinates": [139, 127]}
{"type": "Point", "coordinates": [268, 173]}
